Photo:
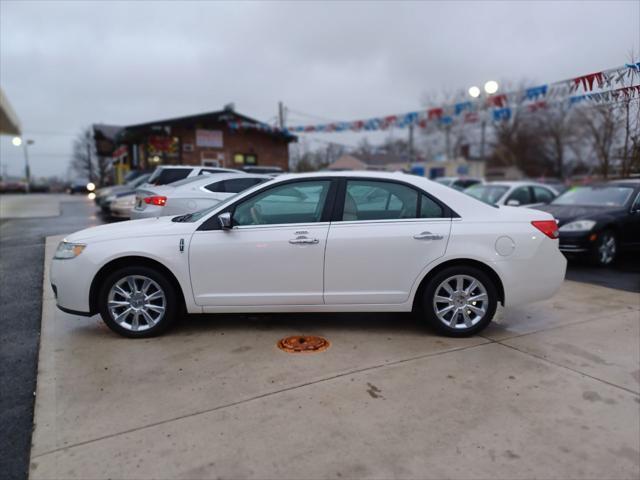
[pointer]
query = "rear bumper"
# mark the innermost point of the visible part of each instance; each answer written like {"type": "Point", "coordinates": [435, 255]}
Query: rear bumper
{"type": "Point", "coordinates": [536, 278]}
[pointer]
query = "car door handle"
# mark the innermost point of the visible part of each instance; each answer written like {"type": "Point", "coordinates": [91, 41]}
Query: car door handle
{"type": "Point", "coordinates": [428, 236]}
{"type": "Point", "coordinates": [304, 241]}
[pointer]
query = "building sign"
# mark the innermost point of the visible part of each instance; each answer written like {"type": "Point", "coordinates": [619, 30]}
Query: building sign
{"type": "Point", "coordinates": [158, 145]}
{"type": "Point", "coordinates": [209, 138]}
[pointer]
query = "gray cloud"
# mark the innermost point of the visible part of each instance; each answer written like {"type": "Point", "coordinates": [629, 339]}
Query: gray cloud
{"type": "Point", "coordinates": [67, 64]}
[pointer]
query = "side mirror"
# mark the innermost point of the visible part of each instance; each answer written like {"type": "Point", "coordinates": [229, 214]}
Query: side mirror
{"type": "Point", "coordinates": [513, 203]}
{"type": "Point", "coordinates": [224, 219]}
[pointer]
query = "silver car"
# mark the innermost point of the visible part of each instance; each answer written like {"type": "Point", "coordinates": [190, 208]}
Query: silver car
{"type": "Point", "coordinates": [191, 194]}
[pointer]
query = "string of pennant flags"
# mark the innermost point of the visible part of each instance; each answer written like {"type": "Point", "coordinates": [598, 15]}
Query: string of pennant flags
{"type": "Point", "coordinates": [603, 87]}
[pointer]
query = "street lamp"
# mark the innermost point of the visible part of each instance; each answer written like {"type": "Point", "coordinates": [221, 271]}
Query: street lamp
{"type": "Point", "coordinates": [17, 141]}
{"type": "Point", "coordinates": [490, 88]}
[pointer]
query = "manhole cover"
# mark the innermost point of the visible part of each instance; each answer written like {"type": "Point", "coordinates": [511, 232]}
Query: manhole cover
{"type": "Point", "coordinates": [303, 344]}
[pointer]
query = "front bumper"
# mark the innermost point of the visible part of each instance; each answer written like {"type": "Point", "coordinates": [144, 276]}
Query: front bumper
{"type": "Point", "coordinates": [577, 242]}
{"type": "Point", "coordinates": [71, 281]}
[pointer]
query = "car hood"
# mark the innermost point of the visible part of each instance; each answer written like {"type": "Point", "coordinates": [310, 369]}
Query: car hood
{"type": "Point", "coordinates": [569, 213]}
{"type": "Point", "coordinates": [147, 227]}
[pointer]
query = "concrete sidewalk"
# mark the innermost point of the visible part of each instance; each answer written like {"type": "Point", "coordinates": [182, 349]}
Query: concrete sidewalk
{"type": "Point", "coordinates": [33, 205]}
{"type": "Point", "coordinates": [550, 391]}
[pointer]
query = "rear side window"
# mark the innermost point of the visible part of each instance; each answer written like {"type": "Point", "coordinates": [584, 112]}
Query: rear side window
{"type": "Point", "coordinates": [164, 176]}
{"type": "Point", "coordinates": [429, 208]}
{"type": "Point", "coordinates": [380, 200]}
{"type": "Point", "coordinates": [233, 186]}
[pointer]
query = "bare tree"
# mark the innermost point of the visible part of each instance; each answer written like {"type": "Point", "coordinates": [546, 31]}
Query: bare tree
{"type": "Point", "coordinates": [601, 125]}
{"type": "Point", "coordinates": [558, 133]}
{"type": "Point", "coordinates": [85, 162]}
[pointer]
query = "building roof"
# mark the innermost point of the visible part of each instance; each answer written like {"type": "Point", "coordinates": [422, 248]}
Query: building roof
{"type": "Point", "coordinates": [225, 115]}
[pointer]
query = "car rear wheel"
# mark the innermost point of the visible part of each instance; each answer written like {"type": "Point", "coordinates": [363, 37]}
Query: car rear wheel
{"type": "Point", "coordinates": [137, 302]}
{"type": "Point", "coordinates": [460, 301]}
{"type": "Point", "coordinates": [605, 249]}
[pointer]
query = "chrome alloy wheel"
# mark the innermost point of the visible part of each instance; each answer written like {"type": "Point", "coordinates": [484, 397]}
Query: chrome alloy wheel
{"type": "Point", "coordinates": [136, 303]}
{"type": "Point", "coordinates": [607, 249]}
{"type": "Point", "coordinates": [460, 302]}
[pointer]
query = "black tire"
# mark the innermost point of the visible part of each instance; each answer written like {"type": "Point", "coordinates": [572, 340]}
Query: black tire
{"type": "Point", "coordinates": [604, 253]}
{"type": "Point", "coordinates": [429, 309]}
{"type": "Point", "coordinates": [170, 302]}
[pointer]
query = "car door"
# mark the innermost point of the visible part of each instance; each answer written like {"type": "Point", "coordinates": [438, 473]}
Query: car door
{"type": "Point", "coordinates": [272, 255]}
{"type": "Point", "coordinates": [385, 234]}
{"type": "Point", "coordinates": [630, 224]}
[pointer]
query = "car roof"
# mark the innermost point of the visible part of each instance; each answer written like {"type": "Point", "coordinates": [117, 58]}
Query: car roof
{"type": "Point", "coordinates": [517, 183]}
{"type": "Point", "coordinates": [203, 180]}
{"type": "Point", "coordinates": [634, 182]}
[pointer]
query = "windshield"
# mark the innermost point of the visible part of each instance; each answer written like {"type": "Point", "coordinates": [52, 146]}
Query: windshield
{"type": "Point", "coordinates": [136, 182]}
{"type": "Point", "coordinates": [490, 194]}
{"type": "Point", "coordinates": [597, 196]}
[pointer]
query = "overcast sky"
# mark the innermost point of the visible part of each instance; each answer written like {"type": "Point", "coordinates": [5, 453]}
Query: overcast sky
{"type": "Point", "coordinates": [65, 65]}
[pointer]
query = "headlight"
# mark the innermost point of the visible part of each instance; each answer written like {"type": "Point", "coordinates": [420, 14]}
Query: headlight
{"type": "Point", "coordinates": [68, 250]}
{"type": "Point", "coordinates": [578, 226]}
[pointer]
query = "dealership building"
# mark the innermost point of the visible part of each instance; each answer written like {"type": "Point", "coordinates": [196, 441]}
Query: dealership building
{"type": "Point", "coordinates": [223, 139]}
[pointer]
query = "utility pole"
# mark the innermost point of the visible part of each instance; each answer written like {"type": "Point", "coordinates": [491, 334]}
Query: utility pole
{"type": "Point", "coordinates": [90, 163]}
{"type": "Point", "coordinates": [280, 115]}
{"type": "Point", "coordinates": [411, 149]}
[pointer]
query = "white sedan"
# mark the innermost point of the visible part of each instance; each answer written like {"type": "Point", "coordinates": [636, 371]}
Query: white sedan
{"type": "Point", "coordinates": [191, 194]}
{"type": "Point", "coordinates": [514, 194]}
{"type": "Point", "coordinates": [323, 242]}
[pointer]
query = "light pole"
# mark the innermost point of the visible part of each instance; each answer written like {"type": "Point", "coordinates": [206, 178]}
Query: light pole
{"type": "Point", "coordinates": [490, 88]}
{"type": "Point", "coordinates": [17, 141]}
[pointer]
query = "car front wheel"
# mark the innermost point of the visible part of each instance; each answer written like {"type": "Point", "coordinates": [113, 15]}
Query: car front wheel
{"type": "Point", "coordinates": [605, 249]}
{"type": "Point", "coordinates": [137, 302]}
{"type": "Point", "coordinates": [460, 301]}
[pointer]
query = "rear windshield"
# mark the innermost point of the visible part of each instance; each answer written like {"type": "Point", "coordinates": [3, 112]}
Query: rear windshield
{"type": "Point", "coordinates": [163, 176]}
{"type": "Point", "coordinates": [487, 193]}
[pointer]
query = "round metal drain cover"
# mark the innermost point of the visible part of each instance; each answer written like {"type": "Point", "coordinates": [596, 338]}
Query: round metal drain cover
{"type": "Point", "coordinates": [303, 344]}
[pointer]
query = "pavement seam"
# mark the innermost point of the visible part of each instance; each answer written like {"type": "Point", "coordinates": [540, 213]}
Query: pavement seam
{"type": "Point", "coordinates": [264, 395]}
{"type": "Point", "coordinates": [540, 357]}
{"type": "Point", "coordinates": [533, 332]}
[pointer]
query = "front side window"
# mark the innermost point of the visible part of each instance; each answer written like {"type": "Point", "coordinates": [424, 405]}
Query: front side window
{"type": "Point", "coordinates": [379, 200]}
{"type": "Point", "coordinates": [522, 195]}
{"type": "Point", "coordinates": [490, 194]}
{"type": "Point", "coordinates": [299, 202]}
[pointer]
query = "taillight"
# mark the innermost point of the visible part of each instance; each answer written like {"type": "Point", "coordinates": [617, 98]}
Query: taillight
{"type": "Point", "coordinates": [548, 227]}
{"type": "Point", "coordinates": [156, 200]}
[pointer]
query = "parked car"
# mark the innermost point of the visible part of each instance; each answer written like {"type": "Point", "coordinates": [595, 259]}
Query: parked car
{"type": "Point", "coordinates": [513, 194]}
{"type": "Point", "coordinates": [105, 196]}
{"type": "Point", "coordinates": [122, 205]}
{"type": "Point", "coordinates": [319, 242]}
{"type": "Point", "coordinates": [599, 221]}
{"type": "Point", "coordinates": [13, 186]}
{"type": "Point", "coordinates": [459, 183]}
{"type": "Point", "coordinates": [81, 186]}
{"type": "Point", "coordinates": [191, 194]}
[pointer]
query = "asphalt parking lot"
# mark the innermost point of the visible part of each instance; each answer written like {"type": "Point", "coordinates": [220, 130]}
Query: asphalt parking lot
{"type": "Point", "coordinates": [551, 390]}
